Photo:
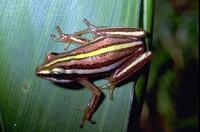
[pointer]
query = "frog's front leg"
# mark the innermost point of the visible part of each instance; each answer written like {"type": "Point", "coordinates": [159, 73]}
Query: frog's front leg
{"type": "Point", "coordinates": [70, 38]}
{"type": "Point", "coordinates": [88, 112]}
{"type": "Point", "coordinates": [128, 69]}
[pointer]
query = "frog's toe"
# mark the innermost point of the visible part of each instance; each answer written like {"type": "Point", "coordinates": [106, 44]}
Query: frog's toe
{"type": "Point", "coordinates": [86, 117]}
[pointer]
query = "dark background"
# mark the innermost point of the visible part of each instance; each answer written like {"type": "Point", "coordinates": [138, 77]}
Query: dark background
{"type": "Point", "coordinates": [171, 103]}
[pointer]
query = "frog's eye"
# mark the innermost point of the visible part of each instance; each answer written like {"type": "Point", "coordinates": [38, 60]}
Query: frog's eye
{"type": "Point", "coordinates": [57, 71]}
{"type": "Point", "coordinates": [50, 56]}
{"type": "Point", "coordinates": [54, 72]}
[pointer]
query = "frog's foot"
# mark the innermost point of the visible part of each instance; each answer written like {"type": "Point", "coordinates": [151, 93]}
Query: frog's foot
{"type": "Point", "coordinates": [89, 25]}
{"type": "Point", "coordinates": [64, 38]}
{"type": "Point", "coordinates": [87, 116]}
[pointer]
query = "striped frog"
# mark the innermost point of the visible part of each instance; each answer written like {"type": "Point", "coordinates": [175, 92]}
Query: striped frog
{"type": "Point", "coordinates": [115, 53]}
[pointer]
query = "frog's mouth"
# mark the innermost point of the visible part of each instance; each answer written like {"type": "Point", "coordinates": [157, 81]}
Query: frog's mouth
{"type": "Point", "coordinates": [54, 78]}
{"type": "Point", "coordinates": [58, 80]}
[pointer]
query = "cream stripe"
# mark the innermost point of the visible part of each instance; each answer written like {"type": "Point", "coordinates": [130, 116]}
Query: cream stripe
{"type": "Point", "coordinates": [87, 71]}
{"type": "Point", "coordinates": [96, 52]}
{"type": "Point", "coordinates": [135, 33]}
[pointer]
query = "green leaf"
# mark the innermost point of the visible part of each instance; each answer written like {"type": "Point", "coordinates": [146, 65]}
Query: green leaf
{"type": "Point", "coordinates": [28, 103]}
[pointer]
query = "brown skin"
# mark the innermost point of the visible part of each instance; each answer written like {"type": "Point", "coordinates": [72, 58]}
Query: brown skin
{"type": "Point", "coordinates": [133, 59]}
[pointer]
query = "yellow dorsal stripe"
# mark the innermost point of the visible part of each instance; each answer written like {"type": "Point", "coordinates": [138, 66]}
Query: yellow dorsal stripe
{"type": "Point", "coordinates": [96, 52]}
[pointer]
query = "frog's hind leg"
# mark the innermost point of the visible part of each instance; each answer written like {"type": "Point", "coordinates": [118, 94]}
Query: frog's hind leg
{"type": "Point", "coordinates": [126, 70]}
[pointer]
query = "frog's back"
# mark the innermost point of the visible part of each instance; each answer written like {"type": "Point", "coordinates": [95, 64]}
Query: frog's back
{"type": "Point", "coordinates": [100, 55]}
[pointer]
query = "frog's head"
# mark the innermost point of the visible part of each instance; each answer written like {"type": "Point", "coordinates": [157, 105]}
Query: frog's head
{"type": "Point", "coordinates": [51, 73]}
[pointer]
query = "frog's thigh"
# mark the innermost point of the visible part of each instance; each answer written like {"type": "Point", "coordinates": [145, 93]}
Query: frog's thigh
{"type": "Point", "coordinates": [130, 67]}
